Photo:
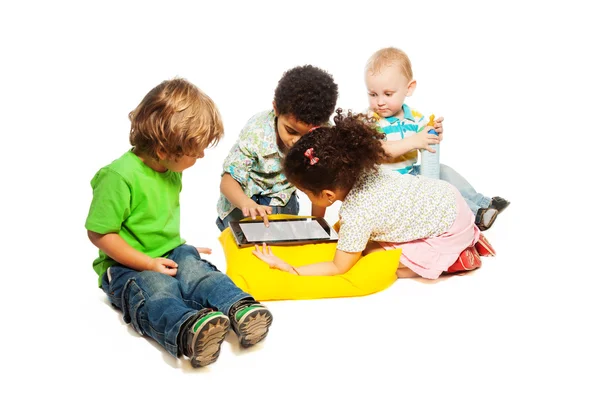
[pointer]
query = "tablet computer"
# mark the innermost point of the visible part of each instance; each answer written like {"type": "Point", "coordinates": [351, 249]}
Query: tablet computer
{"type": "Point", "coordinates": [282, 232]}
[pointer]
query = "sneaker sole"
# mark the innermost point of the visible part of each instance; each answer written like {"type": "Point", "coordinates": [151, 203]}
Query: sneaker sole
{"type": "Point", "coordinates": [484, 227]}
{"type": "Point", "coordinates": [472, 262]}
{"type": "Point", "coordinates": [468, 260]}
{"type": "Point", "coordinates": [208, 340]}
{"type": "Point", "coordinates": [254, 326]}
{"type": "Point", "coordinates": [484, 248]}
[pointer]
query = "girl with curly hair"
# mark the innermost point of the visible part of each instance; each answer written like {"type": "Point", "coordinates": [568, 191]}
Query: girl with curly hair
{"type": "Point", "coordinates": [381, 209]}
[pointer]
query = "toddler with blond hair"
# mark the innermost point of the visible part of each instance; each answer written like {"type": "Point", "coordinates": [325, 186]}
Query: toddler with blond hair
{"type": "Point", "coordinates": [389, 80]}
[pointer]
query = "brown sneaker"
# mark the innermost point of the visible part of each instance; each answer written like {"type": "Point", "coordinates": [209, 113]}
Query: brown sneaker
{"type": "Point", "coordinates": [202, 336]}
{"type": "Point", "coordinates": [250, 320]}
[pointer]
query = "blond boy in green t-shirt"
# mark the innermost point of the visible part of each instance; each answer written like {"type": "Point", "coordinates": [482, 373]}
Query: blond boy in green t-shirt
{"type": "Point", "coordinates": [163, 286]}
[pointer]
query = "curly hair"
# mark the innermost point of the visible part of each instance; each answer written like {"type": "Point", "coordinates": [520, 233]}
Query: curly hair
{"type": "Point", "coordinates": [344, 151]}
{"type": "Point", "coordinates": [176, 118]}
{"type": "Point", "coordinates": [308, 93]}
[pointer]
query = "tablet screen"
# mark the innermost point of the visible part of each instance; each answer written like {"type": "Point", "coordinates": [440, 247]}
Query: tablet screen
{"type": "Point", "coordinates": [283, 231]}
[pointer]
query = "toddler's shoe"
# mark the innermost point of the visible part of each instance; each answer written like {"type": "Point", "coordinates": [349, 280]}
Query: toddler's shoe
{"type": "Point", "coordinates": [498, 203]}
{"type": "Point", "coordinates": [485, 218]}
{"type": "Point", "coordinates": [467, 261]}
{"type": "Point", "coordinates": [201, 337]}
{"type": "Point", "coordinates": [484, 248]}
{"type": "Point", "coordinates": [250, 320]}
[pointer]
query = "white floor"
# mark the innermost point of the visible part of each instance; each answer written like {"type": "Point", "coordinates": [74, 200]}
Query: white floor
{"type": "Point", "coordinates": [507, 330]}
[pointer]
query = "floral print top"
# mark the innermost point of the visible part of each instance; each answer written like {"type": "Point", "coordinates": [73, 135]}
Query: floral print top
{"type": "Point", "coordinates": [256, 162]}
{"type": "Point", "coordinates": [385, 206]}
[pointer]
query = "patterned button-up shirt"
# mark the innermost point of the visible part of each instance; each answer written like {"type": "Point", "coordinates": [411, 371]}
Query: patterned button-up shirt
{"type": "Point", "coordinates": [256, 163]}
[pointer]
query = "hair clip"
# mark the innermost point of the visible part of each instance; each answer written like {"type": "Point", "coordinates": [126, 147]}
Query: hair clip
{"type": "Point", "coordinates": [310, 154]}
{"type": "Point", "coordinates": [313, 128]}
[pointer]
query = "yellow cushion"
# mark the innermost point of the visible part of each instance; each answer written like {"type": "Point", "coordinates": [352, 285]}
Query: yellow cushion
{"type": "Point", "coordinates": [372, 273]}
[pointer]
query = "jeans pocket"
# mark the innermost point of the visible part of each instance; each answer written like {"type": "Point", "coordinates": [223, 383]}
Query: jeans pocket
{"type": "Point", "coordinates": [109, 290]}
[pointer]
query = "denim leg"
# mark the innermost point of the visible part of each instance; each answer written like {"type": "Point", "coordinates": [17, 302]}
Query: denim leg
{"type": "Point", "coordinates": [234, 215]}
{"type": "Point", "coordinates": [220, 224]}
{"type": "Point", "coordinates": [151, 301]}
{"type": "Point", "coordinates": [292, 208]}
{"type": "Point", "coordinates": [474, 199]}
{"type": "Point", "coordinates": [202, 284]}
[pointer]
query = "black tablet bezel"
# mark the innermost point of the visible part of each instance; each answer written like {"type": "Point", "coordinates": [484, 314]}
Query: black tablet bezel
{"type": "Point", "coordinates": [241, 240]}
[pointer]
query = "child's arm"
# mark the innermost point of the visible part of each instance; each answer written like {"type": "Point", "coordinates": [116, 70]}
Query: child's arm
{"type": "Point", "coordinates": [422, 140]}
{"type": "Point", "coordinates": [236, 196]}
{"type": "Point", "coordinates": [342, 262]}
{"type": "Point", "coordinates": [120, 251]}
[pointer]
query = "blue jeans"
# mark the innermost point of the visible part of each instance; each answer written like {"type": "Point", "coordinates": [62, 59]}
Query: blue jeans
{"type": "Point", "coordinates": [157, 305]}
{"type": "Point", "coordinates": [474, 199]}
{"type": "Point", "coordinates": [292, 208]}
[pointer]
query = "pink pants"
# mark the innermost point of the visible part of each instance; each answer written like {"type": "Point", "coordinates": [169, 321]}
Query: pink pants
{"type": "Point", "coordinates": [430, 257]}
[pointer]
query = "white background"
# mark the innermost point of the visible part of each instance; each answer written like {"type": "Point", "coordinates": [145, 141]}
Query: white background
{"type": "Point", "coordinates": [517, 83]}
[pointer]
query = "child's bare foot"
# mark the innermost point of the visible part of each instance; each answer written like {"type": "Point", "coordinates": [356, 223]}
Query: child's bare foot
{"type": "Point", "coordinates": [404, 272]}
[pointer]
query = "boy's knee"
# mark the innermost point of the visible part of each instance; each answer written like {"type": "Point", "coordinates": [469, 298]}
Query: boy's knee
{"type": "Point", "coordinates": [182, 252]}
{"type": "Point", "coordinates": [190, 261]}
{"type": "Point", "coordinates": [153, 282]}
{"type": "Point", "coordinates": [186, 256]}
{"type": "Point", "coordinates": [194, 267]}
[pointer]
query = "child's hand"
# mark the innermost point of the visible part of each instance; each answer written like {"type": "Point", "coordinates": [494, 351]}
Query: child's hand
{"type": "Point", "coordinates": [266, 255]}
{"type": "Point", "coordinates": [439, 128]}
{"type": "Point", "coordinates": [204, 250]}
{"type": "Point", "coordinates": [423, 139]}
{"type": "Point", "coordinates": [163, 265]}
{"type": "Point", "coordinates": [251, 209]}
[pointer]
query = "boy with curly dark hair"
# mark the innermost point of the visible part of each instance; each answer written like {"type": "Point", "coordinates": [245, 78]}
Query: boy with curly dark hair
{"type": "Point", "coordinates": [253, 183]}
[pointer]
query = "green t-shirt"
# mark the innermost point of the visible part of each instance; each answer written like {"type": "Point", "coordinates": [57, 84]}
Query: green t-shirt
{"type": "Point", "coordinates": [139, 204]}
